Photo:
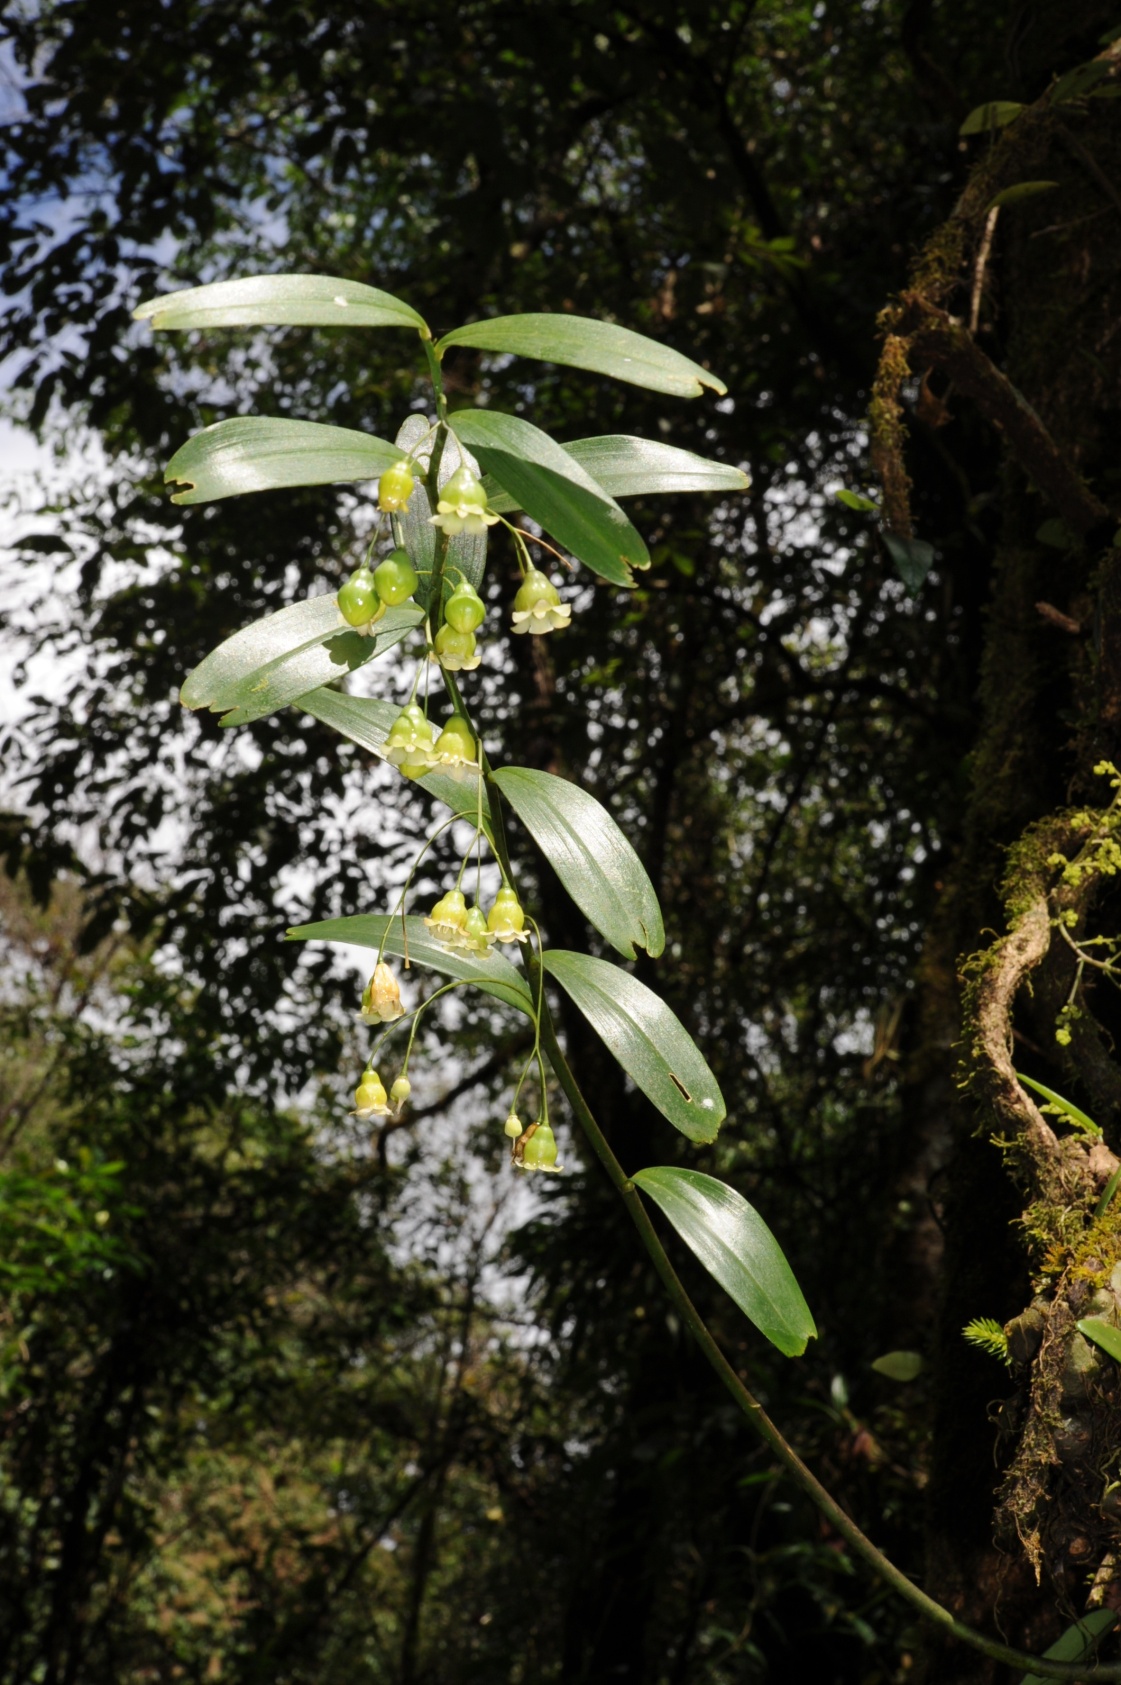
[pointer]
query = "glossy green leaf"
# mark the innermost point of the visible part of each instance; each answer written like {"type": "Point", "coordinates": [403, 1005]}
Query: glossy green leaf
{"type": "Point", "coordinates": [628, 467]}
{"type": "Point", "coordinates": [583, 343]}
{"type": "Point", "coordinates": [321, 301]}
{"type": "Point", "coordinates": [899, 1366]}
{"type": "Point", "coordinates": [590, 855]}
{"type": "Point", "coordinates": [1022, 190]}
{"type": "Point", "coordinates": [260, 453]}
{"type": "Point", "coordinates": [1067, 1107]}
{"type": "Point", "coordinates": [994, 114]}
{"type": "Point", "coordinates": [1102, 1334]}
{"type": "Point", "coordinates": [1077, 83]}
{"type": "Point", "coordinates": [272, 662]}
{"type": "Point", "coordinates": [1077, 1642]}
{"type": "Point", "coordinates": [493, 974]}
{"type": "Point", "coordinates": [553, 489]}
{"type": "Point", "coordinates": [853, 500]}
{"type": "Point", "coordinates": [737, 1248]}
{"type": "Point", "coordinates": [366, 720]}
{"type": "Point", "coordinates": [913, 559]}
{"type": "Point", "coordinates": [466, 552]}
{"type": "Point", "coordinates": [653, 1046]}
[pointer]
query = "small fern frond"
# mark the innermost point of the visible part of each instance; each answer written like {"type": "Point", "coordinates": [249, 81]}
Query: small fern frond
{"type": "Point", "coordinates": [983, 1331]}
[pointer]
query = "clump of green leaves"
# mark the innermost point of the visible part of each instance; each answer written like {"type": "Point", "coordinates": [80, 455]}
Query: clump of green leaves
{"type": "Point", "coordinates": [1054, 1105]}
{"type": "Point", "coordinates": [446, 484]}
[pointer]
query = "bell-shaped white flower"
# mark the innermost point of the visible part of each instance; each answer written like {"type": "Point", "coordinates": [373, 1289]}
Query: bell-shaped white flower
{"type": "Point", "coordinates": [537, 606]}
{"type": "Point", "coordinates": [462, 505]}
{"type": "Point", "coordinates": [370, 1098]}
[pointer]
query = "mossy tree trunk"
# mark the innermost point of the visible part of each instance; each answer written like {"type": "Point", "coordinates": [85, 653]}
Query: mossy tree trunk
{"type": "Point", "coordinates": [1014, 315]}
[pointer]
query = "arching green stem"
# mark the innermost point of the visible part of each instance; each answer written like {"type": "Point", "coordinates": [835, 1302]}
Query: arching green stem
{"type": "Point", "coordinates": [444, 825]}
{"type": "Point", "coordinates": [788, 1458]}
{"type": "Point", "coordinates": [784, 1453]}
{"type": "Point", "coordinates": [437, 380]}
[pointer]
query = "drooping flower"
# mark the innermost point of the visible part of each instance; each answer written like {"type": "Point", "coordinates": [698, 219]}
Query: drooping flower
{"type": "Point", "coordinates": [400, 1092]}
{"type": "Point", "coordinates": [475, 934]}
{"type": "Point", "coordinates": [359, 603]}
{"type": "Point", "coordinates": [537, 606]}
{"type": "Point", "coordinates": [462, 505]}
{"type": "Point", "coordinates": [513, 1125]}
{"type": "Point", "coordinates": [395, 578]}
{"type": "Point", "coordinates": [409, 746]}
{"type": "Point", "coordinates": [506, 920]}
{"type": "Point", "coordinates": [456, 748]}
{"type": "Point", "coordinates": [395, 488]}
{"type": "Point", "coordinates": [381, 999]}
{"type": "Point", "coordinates": [370, 1099]}
{"type": "Point", "coordinates": [465, 609]}
{"type": "Point", "coordinates": [537, 1149]}
{"type": "Point", "coordinates": [456, 650]}
{"type": "Point", "coordinates": [448, 918]}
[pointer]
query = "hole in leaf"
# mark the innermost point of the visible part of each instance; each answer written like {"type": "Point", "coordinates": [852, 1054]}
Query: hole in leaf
{"type": "Point", "coordinates": [684, 1092]}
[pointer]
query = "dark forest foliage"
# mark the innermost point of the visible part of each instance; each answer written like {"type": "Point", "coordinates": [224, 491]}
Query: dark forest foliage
{"type": "Point", "coordinates": [277, 1404]}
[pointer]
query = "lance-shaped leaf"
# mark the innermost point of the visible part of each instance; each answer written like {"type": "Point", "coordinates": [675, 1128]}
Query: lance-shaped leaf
{"type": "Point", "coordinates": [1079, 81]}
{"type": "Point", "coordinates": [583, 343]}
{"type": "Point", "coordinates": [1021, 191]}
{"type": "Point", "coordinates": [1076, 1115]}
{"type": "Point", "coordinates": [285, 655]}
{"type": "Point", "coordinates": [464, 554]}
{"type": "Point", "coordinates": [1103, 1334]}
{"type": "Point", "coordinates": [737, 1248]}
{"type": "Point", "coordinates": [994, 114]}
{"type": "Point", "coordinates": [653, 1046]}
{"type": "Point", "coordinates": [590, 855]}
{"type": "Point", "coordinates": [268, 301]}
{"type": "Point", "coordinates": [899, 1365]}
{"type": "Point", "coordinates": [260, 453]}
{"type": "Point", "coordinates": [552, 488]}
{"type": "Point", "coordinates": [623, 466]}
{"type": "Point", "coordinates": [913, 558]}
{"type": "Point", "coordinates": [1077, 1642]}
{"type": "Point", "coordinates": [490, 972]}
{"type": "Point", "coordinates": [366, 720]}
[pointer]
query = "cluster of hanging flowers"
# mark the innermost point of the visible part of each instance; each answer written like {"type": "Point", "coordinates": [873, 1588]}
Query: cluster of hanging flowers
{"type": "Point", "coordinates": [416, 745]}
{"type": "Point", "coordinates": [371, 1100]}
{"type": "Point", "coordinates": [368, 592]}
{"type": "Point", "coordinates": [460, 928]}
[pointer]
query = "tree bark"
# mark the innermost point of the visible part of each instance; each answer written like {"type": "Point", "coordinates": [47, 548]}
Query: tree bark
{"type": "Point", "coordinates": [1017, 1530]}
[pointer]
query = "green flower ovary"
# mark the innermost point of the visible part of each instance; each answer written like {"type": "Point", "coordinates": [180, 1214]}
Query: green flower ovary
{"type": "Point", "coordinates": [395, 488]}
{"type": "Point", "coordinates": [359, 603]}
{"type": "Point", "coordinates": [465, 609]}
{"type": "Point", "coordinates": [395, 578]}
